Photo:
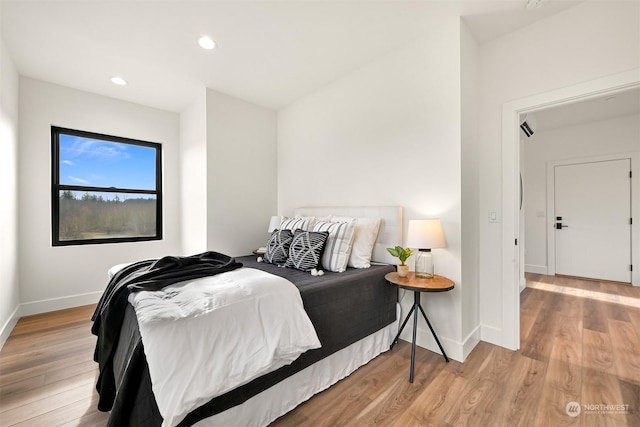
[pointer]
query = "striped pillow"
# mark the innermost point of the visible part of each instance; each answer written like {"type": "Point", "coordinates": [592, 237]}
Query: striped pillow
{"type": "Point", "coordinates": [278, 247]}
{"type": "Point", "coordinates": [306, 248]}
{"type": "Point", "coordinates": [339, 244]}
{"type": "Point", "coordinates": [298, 223]}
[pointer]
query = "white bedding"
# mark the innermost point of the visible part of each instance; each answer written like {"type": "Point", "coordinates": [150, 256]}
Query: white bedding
{"type": "Point", "coordinates": [266, 407]}
{"type": "Point", "coordinates": [205, 337]}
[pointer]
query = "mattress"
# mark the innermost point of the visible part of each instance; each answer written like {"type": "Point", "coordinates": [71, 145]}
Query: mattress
{"type": "Point", "coordinates": [343, 307]}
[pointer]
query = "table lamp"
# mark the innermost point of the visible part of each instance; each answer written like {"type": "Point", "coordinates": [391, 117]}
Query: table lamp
{"type": "Point", "coordinates": [274, 223]}
{"type": "Point", "coordinates": [424, 235]}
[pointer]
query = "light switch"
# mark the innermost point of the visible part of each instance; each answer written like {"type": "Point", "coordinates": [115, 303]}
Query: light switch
{"type": "Point", "coordinates": [493, 216]}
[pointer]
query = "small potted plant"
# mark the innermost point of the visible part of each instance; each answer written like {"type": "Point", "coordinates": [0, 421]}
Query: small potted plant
{"type": "Point", "coordinates": [402, 254]}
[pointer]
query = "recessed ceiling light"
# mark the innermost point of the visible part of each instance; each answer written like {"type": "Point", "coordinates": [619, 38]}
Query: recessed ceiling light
{"type": "Point", "coordinates": [206, 43]}
{"type": "Point", "coordinates": [534, 4]}
{"type": "Point", "coordinates": [118, 81]}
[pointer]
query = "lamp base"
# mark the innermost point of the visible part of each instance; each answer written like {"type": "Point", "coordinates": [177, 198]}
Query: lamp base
{"type": "Point", "coordinates": [424, 264]}
{"type": "Point", "coordinates": [424, 275]}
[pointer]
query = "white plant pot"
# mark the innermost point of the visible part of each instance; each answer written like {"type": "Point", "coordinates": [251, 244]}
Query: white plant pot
{"type": "Point", "coordinates": [403, 270]}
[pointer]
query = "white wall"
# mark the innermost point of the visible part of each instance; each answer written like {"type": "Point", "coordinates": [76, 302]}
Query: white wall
{"type": "Point", "coordinates": [585, 42]}
{"type": "Point", "coordinates": [58, 277]}
{"type": "Point", "coordinates": [469, 175]}
{"type": "Point", "coordinates": [388, 134]}
{"type": "Point", "coordinates": [193, 173]}
{"type": "Point", "coordinates": [9, 290]}
{"type": "Point", "coordinates": [241, 173]}
{"type": "Point", "coordinates": [618, 135]}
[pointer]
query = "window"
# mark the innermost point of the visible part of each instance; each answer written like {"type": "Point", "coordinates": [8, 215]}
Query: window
{"type": "Point", "coordinates": [105, 189]}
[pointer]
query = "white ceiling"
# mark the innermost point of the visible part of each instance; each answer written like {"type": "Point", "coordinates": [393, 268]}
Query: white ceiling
{"type": "Point", "coordinates": [600, 108]}
{"type": "Point", "coordinates": [270, 53]}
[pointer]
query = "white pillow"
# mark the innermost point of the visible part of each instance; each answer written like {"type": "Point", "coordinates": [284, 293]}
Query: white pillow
{"type": "Point", "coordinates": [365, 238]}
{"type": "Point", "coordinates": [338, 246]}
{"type": "Point", "coordinates": [304, 223]}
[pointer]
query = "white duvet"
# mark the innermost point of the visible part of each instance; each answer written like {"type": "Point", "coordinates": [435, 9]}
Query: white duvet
{"type": "Point", "coordinates": [205, 337]}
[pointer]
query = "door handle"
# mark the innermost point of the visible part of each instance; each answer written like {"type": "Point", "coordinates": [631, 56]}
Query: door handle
{"type": "Point", "coordinates": [560, 226]}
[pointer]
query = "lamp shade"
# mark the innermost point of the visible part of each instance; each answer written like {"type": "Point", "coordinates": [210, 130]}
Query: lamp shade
{"type": "Point", "coordinates": [425, 234]}
{"type": "Point", "coordinates": [274, 223]}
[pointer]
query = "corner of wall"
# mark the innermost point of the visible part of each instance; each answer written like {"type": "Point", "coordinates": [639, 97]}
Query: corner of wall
{"type": "Point", "coordinates": [241, 162]}
{"type": "Point", "coordinates": [8, 326]}
{"type": "Point", "coordinates": [469, 181]}
{"type": "Point", "coordinates": [491, 335]}
{"type": "Point", "coordinates": [9, 279]}
{"type": "Point", "coordinates": [469, 343]}
{"type": "Point", "coordinates": [193, 175]}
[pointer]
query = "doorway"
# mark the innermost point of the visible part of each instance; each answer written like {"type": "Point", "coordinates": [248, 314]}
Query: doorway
{"type": "Point", "coordinates": [511, 259]}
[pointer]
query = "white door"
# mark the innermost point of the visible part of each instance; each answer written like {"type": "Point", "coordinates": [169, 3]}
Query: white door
{"type": "Point", "coordinates": [593, 208]}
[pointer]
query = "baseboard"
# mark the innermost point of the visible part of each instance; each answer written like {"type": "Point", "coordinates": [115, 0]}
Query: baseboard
{"type": "Point", "coordinates": [538, 269]}
{"type": "Point", "coordinates": [8, 326]}
{"type": "Point", "coordinates": [491, 335]}
{"type": "Point", "coordinates": [470, 342]}
{"type": "Point", "coordinates": [53, 304]}
{"type": "Point", "coordinates": [523, 284]}
{"type": "Point", "coordinates": [455, 350]}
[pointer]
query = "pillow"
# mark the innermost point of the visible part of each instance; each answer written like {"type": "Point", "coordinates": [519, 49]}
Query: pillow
{"type": "Point", "coordinates": [304, 223]}
{"type": "Point", "coordinates": [339, 243]}
{"type": "Point", "coordinates": [278, 247]}
{"type": "Point", "coordinates": [364, 241]}
{"type": "Point", "coordinates": [306, 249]}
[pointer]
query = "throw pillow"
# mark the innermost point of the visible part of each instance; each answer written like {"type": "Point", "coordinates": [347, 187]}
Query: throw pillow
{"type": "Point", "coordinates": [364, 240]}
{"type": "Point", "coordinates": [339, 244]}
{"type": "Point", "coordinates": [278, 247]}
{"type": "Point", "coordinates": [298, 223]}
{"type": "Point", "coordinates": [306, 249]}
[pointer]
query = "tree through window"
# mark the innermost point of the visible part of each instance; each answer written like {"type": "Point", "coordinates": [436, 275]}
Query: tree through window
{"type": "Point", "coordinates": [105, 189]}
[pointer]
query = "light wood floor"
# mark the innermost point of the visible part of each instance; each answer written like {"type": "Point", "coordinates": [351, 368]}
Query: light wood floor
{"type": "Point", "coordinates": [574, 348]}
{"type": "Point", "coordinates": [47, 372]}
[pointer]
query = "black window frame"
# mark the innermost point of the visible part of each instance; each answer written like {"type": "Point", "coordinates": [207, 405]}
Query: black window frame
{"type": "Point", "coordinates": [56, 187]}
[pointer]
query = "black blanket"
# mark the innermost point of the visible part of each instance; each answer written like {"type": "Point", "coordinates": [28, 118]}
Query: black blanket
{"type": "Point", "coordinates": [149, 275]}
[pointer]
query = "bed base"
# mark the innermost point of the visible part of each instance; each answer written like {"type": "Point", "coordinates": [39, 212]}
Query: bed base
{"type": "Point", "coordinates": [266, 407]}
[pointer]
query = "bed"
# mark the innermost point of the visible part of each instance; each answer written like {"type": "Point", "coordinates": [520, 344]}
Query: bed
{"type": "Point", "coordinates": [354, 314]}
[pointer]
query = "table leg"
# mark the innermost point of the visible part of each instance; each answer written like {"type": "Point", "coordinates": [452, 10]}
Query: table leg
{"type": "Point", "coordinates": [395, 340]}
{"type": "Point", "coordinates": [416, 303]}
{"type": "Point", "coordinates": [434, 334]}
{"type": "Point", "coordinates": [414, 309]}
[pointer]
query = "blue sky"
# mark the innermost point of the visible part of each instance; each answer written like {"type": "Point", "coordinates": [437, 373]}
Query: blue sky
{"type": "Point", "coordinates": [92, 162]}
